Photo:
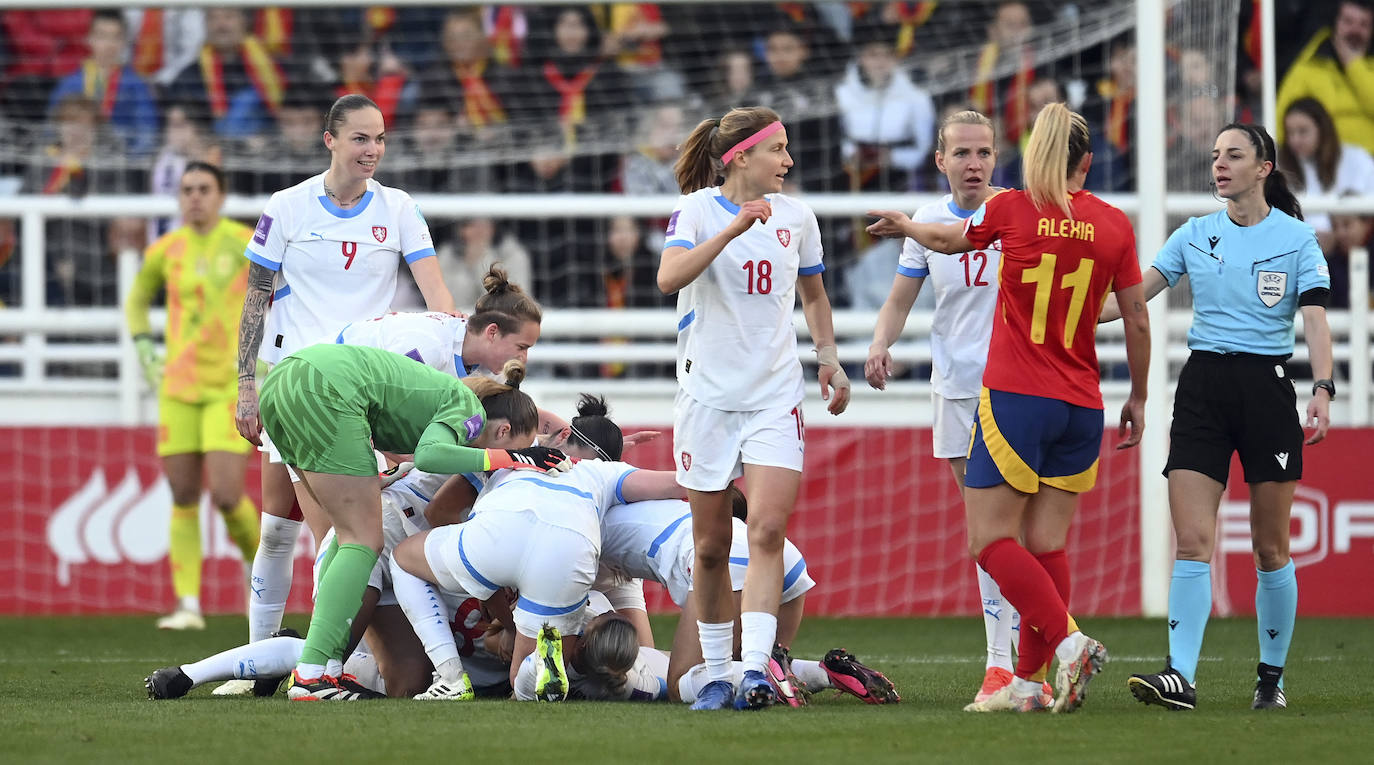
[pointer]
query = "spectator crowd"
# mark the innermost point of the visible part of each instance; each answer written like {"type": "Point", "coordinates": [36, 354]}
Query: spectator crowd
{"type": "Point", "coordinates": [595, 98]}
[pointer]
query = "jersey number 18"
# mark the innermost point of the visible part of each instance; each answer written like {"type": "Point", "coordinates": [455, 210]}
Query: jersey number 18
{"type": "Point", "coordinates": [763, 284]}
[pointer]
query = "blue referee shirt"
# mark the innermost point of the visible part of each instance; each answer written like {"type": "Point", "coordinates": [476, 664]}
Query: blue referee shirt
{"type": "Point", "coordinates": [1245, 280]}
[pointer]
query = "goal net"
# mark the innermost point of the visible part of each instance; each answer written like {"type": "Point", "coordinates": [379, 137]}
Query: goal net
{"type": "Point", "coordinates": [555, 102]}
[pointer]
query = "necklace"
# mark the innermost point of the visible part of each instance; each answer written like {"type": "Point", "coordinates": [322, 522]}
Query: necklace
{"type": "Point", "coordinates": [339, 200]}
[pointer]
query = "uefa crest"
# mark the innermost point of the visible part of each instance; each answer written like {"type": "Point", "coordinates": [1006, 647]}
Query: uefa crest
{"type": "Point", "coordinates": [379, 233]}
{"type": "Point", "coordinates": [1271, 286]}
{"type": "Point", "coordinates": [686, 461]}
{"type": "Point", "coordinates": [785, 236]}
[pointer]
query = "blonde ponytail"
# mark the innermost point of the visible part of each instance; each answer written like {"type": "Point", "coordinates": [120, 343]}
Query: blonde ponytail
{"type": "Point", "coordinates": [1058, 142]}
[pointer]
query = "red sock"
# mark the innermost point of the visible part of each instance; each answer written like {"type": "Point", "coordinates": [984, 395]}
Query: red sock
{"type": "Point", "coordinates": [1028, 587]}
{"type": "Point", "coordinates": [1033, 652]}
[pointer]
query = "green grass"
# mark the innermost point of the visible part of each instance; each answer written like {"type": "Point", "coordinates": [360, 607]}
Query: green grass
{"type": "Point", "coordinates": [72, 691]}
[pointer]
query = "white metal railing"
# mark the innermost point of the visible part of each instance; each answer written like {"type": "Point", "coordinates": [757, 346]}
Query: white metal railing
{"type": "Point", "coordinates": [571, 336]}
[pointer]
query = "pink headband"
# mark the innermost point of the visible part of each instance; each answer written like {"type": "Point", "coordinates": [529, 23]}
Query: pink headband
{"type": "Point", "coordinates": [749, 142]}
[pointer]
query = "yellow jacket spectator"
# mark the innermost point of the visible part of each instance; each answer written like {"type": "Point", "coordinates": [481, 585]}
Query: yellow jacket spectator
{"type": "Point", "coordinates": [201, 265]}
{"type": "Point", "coordinates": [1337, 69]}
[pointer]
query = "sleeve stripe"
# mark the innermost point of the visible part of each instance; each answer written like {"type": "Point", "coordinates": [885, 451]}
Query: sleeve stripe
{"type": "Point", "coordinates": [620, 485]}
{"type": "Point", "coordinates": [679, 243]}
{"type": "Point", "coordinates": [915, 273]}
{"type": "Point", "coordinates": [427, 252]}
{"type": "Point", "coordinates": [260, 260]}
{"type": "Point", "coordinates": [811, 270]}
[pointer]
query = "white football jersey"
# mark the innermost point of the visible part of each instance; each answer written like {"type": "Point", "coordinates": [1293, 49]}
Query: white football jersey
{"type": "Point", "coordinates": [434, 339]}
{"type": "Point", "coordinates": [574, 500]}
{"type": "Point", "coordinates": [408, 497]}
{"type": "Point", "coordinates": [334, 266]}
{"type": "Point", "coordinates": [641, 540]}
{"type": "Point", "coordinates": [965, 297]}
{"type": "Point", "coordinates": [736, 346]}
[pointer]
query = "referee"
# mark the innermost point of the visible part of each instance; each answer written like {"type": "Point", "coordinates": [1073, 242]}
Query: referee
{"type": "Point", "coordinates": [1251, 267]}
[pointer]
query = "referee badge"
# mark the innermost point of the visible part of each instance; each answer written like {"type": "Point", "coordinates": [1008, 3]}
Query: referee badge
{"type": "Point", "coordinates": [1271, 286]}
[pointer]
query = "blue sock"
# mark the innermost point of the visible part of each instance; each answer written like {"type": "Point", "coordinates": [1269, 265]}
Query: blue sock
{"type": "Point", "coordinates": [1190, 603]}
{"type": "Point", "coordinates": [1276, 610]}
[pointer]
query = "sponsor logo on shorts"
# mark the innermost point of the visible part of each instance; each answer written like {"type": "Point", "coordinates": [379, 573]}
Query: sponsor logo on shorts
{"type": "Point", "coordinates": [1271, 287]}
{"type": "Point", "coordinates": [379, 233]}
{"type": "Point", "coordinates": [686, 461]}
{"type": "Point", "coordinates": [785, 236]}
{"type": "Point", "coordinates": [473, 426]}
{"type": "Point", "coordinates": [264, 226]}
{"type": "Point", "coordinates": [672, 223]}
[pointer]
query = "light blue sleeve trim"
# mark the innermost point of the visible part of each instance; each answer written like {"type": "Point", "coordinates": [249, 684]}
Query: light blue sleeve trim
{"type": "Point", "coordinates": [678, 243]}
{"type": "Point", "coordinates": [914, 273]}
{"type": "Point", "coordinates": [811, 270]}
{"type": "Point", "coordinates": [686, 320]}
{"type": "Point", "coordinates": [283, 292]}
{"type": "Point", "coordinates": [270, 265]}
{"type": "Point", "coordinates": [427, 252]}
{"type": "Point", "coordinates": [620, 484]}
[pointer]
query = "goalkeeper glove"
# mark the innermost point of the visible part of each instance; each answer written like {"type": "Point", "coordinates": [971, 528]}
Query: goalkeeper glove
{"type": "Point", "coordinates": [540, 458]}
{"type": "Point", "coordinates": [149, 359]}
{"type": "Point", "coordinates": [394, 474]}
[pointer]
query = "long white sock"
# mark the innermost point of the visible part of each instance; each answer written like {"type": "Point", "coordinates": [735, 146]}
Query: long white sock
{"type": "Point", "coordinates": [273, 657]}
{"type": "Point", "coordinates": [271, 582]}
{"type": "Point", "coordinates": [811, 673]}
{"type": "Point", "coordinates": [525, 678]}
{"type": "Point", "coordinates": [717, 646]}
{"type": "Point", "coordinates": [758, 632]}
{"type": "Point", "coordinates": [429, 617]}
{"type": "Point", "coordinates": [997, 619]}
{"type": "Point", "coordinates": [698, 677]}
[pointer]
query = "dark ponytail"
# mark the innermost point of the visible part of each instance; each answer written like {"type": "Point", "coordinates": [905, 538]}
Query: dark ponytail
{"type": "Point", "coordinates": [1277, 194]}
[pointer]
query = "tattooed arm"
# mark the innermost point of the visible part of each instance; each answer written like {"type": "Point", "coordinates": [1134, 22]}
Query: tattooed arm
{"type": "Point", "coordinates": [251, 326]}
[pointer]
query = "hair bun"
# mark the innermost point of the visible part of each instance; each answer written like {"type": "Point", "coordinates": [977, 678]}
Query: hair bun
{"type": "Point", "coordinates": [589, 405]}
{"type": "Point", "coordinates": [513, 372]}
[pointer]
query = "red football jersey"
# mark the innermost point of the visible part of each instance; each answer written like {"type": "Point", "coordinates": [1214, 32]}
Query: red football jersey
{"type": "Point", "coordinates": [1056, 273]}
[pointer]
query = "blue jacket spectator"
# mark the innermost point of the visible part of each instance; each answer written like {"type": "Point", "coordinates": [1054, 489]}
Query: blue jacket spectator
{"type": "Point", "coordinates": [125, 101]}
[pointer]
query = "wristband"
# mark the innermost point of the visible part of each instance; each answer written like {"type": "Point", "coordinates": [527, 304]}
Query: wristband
{"type": "Point", "coordinates": [1325, 384]}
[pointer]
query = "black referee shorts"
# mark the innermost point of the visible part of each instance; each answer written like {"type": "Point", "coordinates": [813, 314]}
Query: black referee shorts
{"type": "Point", "coordinates": [1242, 403]}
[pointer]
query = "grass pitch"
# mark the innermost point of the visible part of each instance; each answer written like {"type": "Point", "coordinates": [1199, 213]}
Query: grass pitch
{"type": "Point", "coordinates": [72, 691]}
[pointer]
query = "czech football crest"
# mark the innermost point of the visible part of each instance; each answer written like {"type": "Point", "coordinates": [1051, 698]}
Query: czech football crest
{"type": "Point", "coordinates": [379, 232]}
{"type": "Point", "coordinates": [686, 461]}
{"type": "Point", "coordinates": [785, 236]}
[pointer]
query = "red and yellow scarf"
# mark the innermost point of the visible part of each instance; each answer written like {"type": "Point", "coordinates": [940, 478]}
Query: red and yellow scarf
{"type": "Point", "coordinates": [266, 76]}
{"type": "Point", "coordinates": [1016, 105]}
{"type": "Point", "coordinates": [480, 105]}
